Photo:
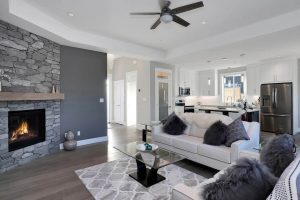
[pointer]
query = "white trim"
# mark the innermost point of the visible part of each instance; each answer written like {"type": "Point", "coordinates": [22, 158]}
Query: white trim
{"type": "Point", "coordinates": [88, 141]}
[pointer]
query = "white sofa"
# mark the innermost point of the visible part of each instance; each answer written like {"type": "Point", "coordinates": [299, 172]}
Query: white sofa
{"type": "Point", "coordinates": [191, 144]}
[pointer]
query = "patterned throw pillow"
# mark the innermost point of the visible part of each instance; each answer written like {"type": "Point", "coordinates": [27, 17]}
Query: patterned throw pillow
{"type": "Point", "coordinates": [235, 131]}
{"type": "Point", "coordinates": [288, 185]}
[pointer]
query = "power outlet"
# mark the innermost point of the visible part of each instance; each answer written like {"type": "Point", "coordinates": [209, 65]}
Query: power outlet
{"type": "Point", "coordinates": [78, 133]}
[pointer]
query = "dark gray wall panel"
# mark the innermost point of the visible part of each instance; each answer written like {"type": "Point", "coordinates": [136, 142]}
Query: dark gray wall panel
{"type": "Point", "coordinates": [83, 80]}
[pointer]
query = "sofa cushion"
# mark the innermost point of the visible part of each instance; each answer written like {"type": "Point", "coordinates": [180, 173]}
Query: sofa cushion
{"type": "Point", "coordinates": [215, 134]}
{"type": "Point", "coordinates": [163, 138]}
{"type": "Point", "coordinates": [196, 131]}
{"type": "Point", "coordinates": [236, 131]}
{"type": "Point", "coordinates": [204, 120]}
{"type": "Point", "coordinates": [187, 143]}
{"type": "Point", "coordinates": [220, 153]}
{"type": "Point", "coordinates": [288, 185]}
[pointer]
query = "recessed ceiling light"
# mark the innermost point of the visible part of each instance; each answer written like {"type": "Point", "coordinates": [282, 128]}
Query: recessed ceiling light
{"type": "Point", "coordinates": [224, 58]}
{"type": "Point", "coordinates": [203, 22]}
{"type": "Point", "coordinates": [70, 14]}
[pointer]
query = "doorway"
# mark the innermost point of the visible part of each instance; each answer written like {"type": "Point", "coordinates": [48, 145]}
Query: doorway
{"type": "Point", "coordinates": [131, 98]}
{"type": "Point", "coordinates": [109, 98]}
{"type": "Point", "coordinates": [163, 93]}
{"type": "Point", "coordinates": [119, 102]}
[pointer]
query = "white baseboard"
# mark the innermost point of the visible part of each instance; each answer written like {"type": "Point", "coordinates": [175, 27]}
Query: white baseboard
{"type": "Point", "coordinates": [88, 141]}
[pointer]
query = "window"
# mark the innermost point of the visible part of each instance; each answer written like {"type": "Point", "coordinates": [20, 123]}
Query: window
{"type": "Point", "coordinates": [233, 87]}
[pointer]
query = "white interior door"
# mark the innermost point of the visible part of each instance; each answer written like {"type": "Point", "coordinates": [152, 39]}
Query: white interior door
{"type": "Point", "coordinates": [119, 101]}
{"type": "Point", "coordinates": [131, 97]}
{"type": "Point", "coordinates": [109, 98]}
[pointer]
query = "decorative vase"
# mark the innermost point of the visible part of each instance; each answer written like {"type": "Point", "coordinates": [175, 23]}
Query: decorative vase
{"type": "Point", "coordinates": [70, 143]}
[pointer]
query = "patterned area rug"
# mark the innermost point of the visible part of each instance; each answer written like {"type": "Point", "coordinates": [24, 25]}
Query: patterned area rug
{"type": "Point", "coordinates": [110, 181]}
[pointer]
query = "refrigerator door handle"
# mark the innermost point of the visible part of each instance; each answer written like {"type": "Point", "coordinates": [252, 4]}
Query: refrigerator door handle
{"type": "Point", "coordinates": [275, 97]}
{"type": "Point", "coordinates": [277, 115]}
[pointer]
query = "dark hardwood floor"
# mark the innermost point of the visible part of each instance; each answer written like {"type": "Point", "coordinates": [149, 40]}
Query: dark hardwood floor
{"type": "Point", "coordinates": [52, 177]}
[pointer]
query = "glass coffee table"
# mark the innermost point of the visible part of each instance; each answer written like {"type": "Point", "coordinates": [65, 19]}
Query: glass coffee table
{"type": "Point", "coordinates": [149, 162]}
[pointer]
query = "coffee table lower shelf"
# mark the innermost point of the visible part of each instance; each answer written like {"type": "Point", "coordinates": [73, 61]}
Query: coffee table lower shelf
{"type": "Point", "coordinates": [149, 178]}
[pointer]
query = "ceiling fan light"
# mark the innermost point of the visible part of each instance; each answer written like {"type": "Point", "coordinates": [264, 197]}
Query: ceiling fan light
{"type": "Point", "coordinates": [166, 18]}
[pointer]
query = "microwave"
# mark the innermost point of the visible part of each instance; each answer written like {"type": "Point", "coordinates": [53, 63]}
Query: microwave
{"type": "Point", "coordinates": [184, 91]}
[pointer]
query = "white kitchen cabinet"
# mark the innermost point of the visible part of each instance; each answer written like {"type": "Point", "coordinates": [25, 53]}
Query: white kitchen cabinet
{"type": "Point", "coordinates": [253, 80]}
{"type": "Point", "coordinates": [190, 79]}
{"type": "Point", "coordinates": [276, 72]}
{"type": "Point", "coordinates": [184, 78]}
{"type": "Point", "coordinates": [207, 83]}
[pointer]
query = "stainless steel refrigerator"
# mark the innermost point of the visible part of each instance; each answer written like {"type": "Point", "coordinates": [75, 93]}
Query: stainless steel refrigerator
{"type": "Point", "coordinates": [277, 107]}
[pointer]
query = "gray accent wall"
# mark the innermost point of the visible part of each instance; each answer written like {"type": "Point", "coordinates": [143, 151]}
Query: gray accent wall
{"type": "Point", "coordinates": [83, 81]}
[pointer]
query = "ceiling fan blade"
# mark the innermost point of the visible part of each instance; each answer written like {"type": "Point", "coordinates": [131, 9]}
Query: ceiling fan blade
{"type": "Point", "coordinates": [188, 7]}
{"type": "Point", "coordinates": [164, 3]}
{"type": "Point", "coordinates": [180, 21]}
{"type": "Point", "coordinates": [145, 13]}
{"type": "Point", "coordinates": [156, 24]}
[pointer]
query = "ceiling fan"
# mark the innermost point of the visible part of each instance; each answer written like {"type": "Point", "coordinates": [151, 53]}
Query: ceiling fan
{"type": "Point", "coordinates": [168, 15]}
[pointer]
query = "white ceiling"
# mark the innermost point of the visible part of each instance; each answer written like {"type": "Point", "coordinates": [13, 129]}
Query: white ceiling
{"type": "Point", "coordinates": [111, 18]}
{"type": "Point", "coordinates": [260, 28]}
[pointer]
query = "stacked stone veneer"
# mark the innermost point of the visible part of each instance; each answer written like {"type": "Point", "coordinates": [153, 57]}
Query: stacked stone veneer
{"type": "Point", "coordinates": [33, 64]}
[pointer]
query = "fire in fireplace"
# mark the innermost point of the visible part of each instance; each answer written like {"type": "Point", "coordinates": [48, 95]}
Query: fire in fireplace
{"type": "Point", "coordinates": [25, 128]}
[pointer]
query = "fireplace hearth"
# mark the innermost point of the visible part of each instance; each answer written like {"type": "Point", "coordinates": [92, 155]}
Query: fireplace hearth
{"type": "Point", "coordinates": [26, 127]}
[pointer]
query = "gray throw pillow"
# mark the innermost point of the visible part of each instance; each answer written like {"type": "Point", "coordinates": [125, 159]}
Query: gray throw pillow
{"type": "Point", "coordinates": [247, 180]}
{"type": "Point", "coordinates": [215, 134]}
{"type": "Point", "coordinates": [235, 131]}
{"type": "Point", "coordinates": [278, 153]}
{"type": "Point", "coordinates": [174, 125]}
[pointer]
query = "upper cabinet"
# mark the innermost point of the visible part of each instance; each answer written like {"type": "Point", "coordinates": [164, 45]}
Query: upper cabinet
{"type": "Point", "coordinates": [188, 78]}
{"type": "Point", "coordinates": [184, 78]}
{"type": "Point", "coordinates": [276, 72]}
{"type": "Point", "coordinates": [207, 83]}
{"type": "Point", "coordinates": [253, 80]}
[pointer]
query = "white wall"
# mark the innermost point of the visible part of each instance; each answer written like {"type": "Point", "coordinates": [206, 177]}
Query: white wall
{"type": "Point", "coordinates": [123, 65]}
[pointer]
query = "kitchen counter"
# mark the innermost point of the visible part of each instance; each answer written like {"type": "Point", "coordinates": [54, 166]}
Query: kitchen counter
{"type": "Point", "coordinates": [223, 109]}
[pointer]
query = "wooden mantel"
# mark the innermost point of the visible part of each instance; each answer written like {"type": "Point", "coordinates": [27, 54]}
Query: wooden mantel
{"type": "Point", "coordinates": [19, 96]}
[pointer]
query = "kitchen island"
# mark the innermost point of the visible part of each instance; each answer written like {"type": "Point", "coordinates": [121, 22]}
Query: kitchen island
{"type": "Point", "coordinates": [247, 115]}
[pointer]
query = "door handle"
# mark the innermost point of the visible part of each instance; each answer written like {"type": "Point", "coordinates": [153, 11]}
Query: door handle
{"type": "Point", "coordinates": [275, 97]}
{"type": "Point", "coordinates": [277, 115]}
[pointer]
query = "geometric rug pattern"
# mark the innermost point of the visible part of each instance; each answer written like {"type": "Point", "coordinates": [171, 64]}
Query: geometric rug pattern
{"type": "Point", "coordinates": [110, 181]}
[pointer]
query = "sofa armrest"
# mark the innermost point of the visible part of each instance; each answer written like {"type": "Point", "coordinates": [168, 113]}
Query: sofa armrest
{"type": "Point", "coordinates": [254, 135]}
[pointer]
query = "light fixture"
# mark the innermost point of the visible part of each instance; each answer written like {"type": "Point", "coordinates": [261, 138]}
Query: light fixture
{"type": "Point", "coordinates": [242, 54]}
{"type": "Point", "coordinates": [134, 62]}
{"type": "Point", "coordinates": [224, 58]}
{"type": "Point", "coordinates": [203, 22]}
{"type": "Point", "coordinates": [166, 18]}
{"type": "Point", "coordinates": [208, 82]}
{"type": "Point", "coordinates": [70, 14]}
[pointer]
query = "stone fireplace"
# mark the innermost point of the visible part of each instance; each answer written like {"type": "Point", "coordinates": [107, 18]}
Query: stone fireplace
{"type": "Point", "coordinates": [29, 128]}
{"type": "Point", "coordinates": [25, 128]}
